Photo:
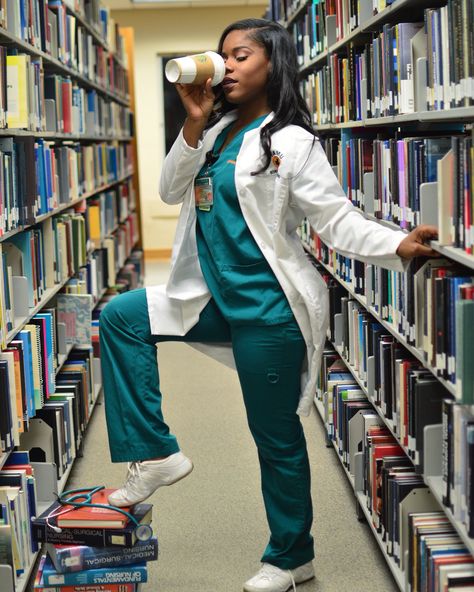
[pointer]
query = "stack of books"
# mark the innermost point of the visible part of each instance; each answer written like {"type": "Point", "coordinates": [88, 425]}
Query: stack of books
{"type": "Point", "coordinates": [92, 548]}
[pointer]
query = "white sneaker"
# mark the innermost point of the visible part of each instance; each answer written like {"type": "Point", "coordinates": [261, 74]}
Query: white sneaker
{"type": "Point", "coordinates": [145, 477]}
{"type": "Point", "coordinates": [273, 579]}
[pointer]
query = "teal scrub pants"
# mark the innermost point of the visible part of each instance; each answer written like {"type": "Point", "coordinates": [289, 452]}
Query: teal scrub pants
{"type": "Point", "coordinates": [268, 360]}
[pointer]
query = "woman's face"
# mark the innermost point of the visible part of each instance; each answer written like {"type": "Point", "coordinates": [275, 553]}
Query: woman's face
{"type": "Point", "coordinates": [247, 68]}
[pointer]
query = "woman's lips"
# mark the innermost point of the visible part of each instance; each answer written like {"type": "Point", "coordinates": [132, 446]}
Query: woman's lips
{"type": "Point", "coordinates": [228, 83]}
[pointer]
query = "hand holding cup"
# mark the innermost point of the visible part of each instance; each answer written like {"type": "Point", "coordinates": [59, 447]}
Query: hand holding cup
{"type": "Point", "coordinates": [198, 100]}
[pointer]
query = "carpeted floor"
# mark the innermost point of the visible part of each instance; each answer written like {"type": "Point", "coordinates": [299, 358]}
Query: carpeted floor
{"type": "Point", "coordinates": [211, 526]}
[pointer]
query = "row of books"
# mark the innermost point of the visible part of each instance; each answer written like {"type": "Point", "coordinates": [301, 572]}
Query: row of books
{"type": "Point", "coordinates": [38, 176]}
{"type": "Point", "coordinates": [18, 503]}
{"type": "Point", "coordinates": [309, 32]}
{"type": "Point", "coordinates": [386, 177]}
{"type": "Point", "coordinates": [33, 100]}
{"type": "Point", "coordinates": [393, 492]}
{"type": "Point", "coordinates": [30, 362]}
{"type": "Point", "coordinates": [61, 247]}
{"type": "Point", "coordinates": [407, 394]}
{"type": "Point", "coordinates": [429, 306]}
{"type": "Point", "coordinates": [50, 27]}
{"type": "Point", "coordinates": [29, 376]}
{"type": "Point", "coordinates": [97, 15]}
{"type": "Point", "coordinates": [55, 249]}
{"type": "Point", "coordinates": [346, 12]}
{"type": "Point", "coordinates": [385, 78]}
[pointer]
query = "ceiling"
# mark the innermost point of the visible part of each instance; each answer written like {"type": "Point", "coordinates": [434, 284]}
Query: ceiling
{"type": "Point", "coordinates": [129, 5]}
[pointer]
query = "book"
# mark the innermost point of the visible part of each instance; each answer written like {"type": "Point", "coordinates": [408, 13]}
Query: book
{"type": "Point", "coordinates": [126, 574]}
{"type": "Point", "coordinates": [87, 517]}
{"type": "Point", "coordinates": [93, 537]}
{"type": "Point", "coordinates": [39, 585]}
{"type": "Point", "coordinates": [69, 558]}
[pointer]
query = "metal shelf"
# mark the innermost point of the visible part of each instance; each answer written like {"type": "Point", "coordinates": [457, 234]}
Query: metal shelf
{"type": "Point", "coordinates": [361, 498]}
{"type": "Point", "coordinates": [455, 114]}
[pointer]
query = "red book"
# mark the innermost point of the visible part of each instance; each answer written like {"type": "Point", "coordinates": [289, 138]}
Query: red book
{"type": "Point", "coordinates": [87, 517]}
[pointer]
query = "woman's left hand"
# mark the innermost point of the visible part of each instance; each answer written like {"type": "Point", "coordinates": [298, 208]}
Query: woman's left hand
{"type": "Point", "coordinates": [414, 243]}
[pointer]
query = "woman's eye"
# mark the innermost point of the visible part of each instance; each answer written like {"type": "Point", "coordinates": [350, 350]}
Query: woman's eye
{"type": "Point", "coordinates": [241, 58]}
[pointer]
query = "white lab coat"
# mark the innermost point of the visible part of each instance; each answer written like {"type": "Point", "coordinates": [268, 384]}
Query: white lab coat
{"type": "Point", "coordinates": [273, 205]}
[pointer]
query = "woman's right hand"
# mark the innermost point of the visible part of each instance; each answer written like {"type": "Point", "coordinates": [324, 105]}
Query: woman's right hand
{"type": "Point", "coordinates": [198, 100]}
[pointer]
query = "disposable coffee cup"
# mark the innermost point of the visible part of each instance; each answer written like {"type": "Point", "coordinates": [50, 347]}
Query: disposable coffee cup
{"type": "Point", "coordinates": [196, 69]}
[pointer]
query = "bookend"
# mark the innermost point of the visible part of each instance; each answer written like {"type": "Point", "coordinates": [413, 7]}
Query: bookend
{"type": "Point", "coordinates": [418, 500]}
{"type": "Point", "coordinates": [432, 450]}
{"type": "Point", "coordinates": [370, 376]}
{"type": "Point", "coordinates": [331, 30]}
{"type": "Point", "coordinates": [369, 193]}
{"type": "Point", "coordinates": [46, 485]}
{"type": "Point", "coordinates": [338, 329]}
{"type": "Point", "coordinates": [421, 82]}
{"type": "Point", "coordinates": [429, 203]}
{"type": "Point", "coordinates": [365, 11]}
{"type": "Point", "coordinates": [20, 297]}
{"type": "Point", "coordinates": [61, 338]}
{"type": "Point", "coordinates": [6, 577]}
{"type": "Point", "coordinates": [39, 438]}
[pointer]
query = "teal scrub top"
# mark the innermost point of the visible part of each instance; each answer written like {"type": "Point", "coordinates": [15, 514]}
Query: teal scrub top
{"type": "Point", "coordinates": [237, 274]}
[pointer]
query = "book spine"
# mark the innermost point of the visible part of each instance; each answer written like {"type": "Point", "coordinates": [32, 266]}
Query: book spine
{"type": "Point", "coordinates": [90, 537]}
{"type": "Point", "coordinates": [136, 574]}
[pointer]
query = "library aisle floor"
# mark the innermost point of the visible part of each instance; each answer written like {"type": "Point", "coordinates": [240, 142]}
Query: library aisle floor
{"type": "Point", "coordinates": [211, 526]}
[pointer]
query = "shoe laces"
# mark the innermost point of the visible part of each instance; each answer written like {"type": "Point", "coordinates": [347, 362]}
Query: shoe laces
{"type": "Point", "coordinates": [134, 473]}
{"type": "Point", "coordinates": [270, 572]}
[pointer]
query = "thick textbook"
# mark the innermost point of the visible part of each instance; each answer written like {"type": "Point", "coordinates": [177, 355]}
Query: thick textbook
{"type": "Point", "coordinates": [93, 537]}
{"type": "Point", "coordinates": [127, 574]}
{"type": "Point", "coordinates": [40, 586]}
{"type": "Point", "coordinates": [87, 517]}
{"type": "Point", "coordinates": [69, 558]}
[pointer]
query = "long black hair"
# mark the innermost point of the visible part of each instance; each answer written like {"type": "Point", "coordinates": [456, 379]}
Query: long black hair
{"type": "Point", "coordinates": [283, 93]}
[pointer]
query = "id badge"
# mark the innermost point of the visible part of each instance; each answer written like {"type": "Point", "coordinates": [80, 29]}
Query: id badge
{"type": "Point", "coordinates": [203, 193]}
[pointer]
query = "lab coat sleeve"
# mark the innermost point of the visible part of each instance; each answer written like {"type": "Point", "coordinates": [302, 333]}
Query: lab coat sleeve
{"type": "Point", "coordinates": [178, 170]}
{"type": "Point", "coordinates": [315, 190]}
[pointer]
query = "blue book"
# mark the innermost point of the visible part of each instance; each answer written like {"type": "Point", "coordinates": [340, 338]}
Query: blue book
{"type": "Point", "coordinates": [46, 175]}
{"type": "Point", "coordinates": [39, 180]}
{"type": "Point", "coordinates": [126, 574]}
{"type": "Point", "coordinates": [73, 558]}
{"type": "Point", "coordinates": [435, 149]}
{"type": "Point", "coordinates": [17, 457]}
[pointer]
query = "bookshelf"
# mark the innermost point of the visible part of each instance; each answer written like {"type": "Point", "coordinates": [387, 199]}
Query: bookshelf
{"type": "Point", "coordinates": [94, 57]}
{"type": "Point", "coordinates": [352, 100]}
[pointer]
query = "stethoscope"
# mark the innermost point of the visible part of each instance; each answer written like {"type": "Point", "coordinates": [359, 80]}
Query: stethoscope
{"type": "Point", "coordinates": [82, 498]}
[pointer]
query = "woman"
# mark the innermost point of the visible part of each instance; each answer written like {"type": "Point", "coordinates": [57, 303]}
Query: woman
{"type": "Point", "coordinates": [246, 173]}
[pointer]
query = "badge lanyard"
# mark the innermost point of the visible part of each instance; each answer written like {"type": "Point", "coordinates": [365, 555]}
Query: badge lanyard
{"type": "Point", "coordinates": [203, 190]}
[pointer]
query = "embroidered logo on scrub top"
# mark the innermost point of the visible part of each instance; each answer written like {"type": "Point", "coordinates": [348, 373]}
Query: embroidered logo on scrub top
{"type": "Point", "coordinates": [277, 157]}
